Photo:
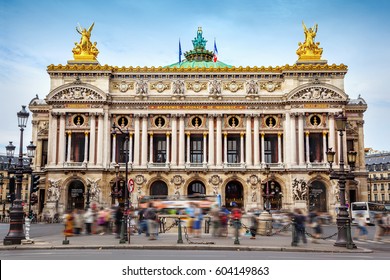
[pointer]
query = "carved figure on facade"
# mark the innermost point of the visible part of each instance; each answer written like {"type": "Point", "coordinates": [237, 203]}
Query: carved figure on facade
{"type": "Point", "coordinates": [318, 93]}
{"type": "Point", "coordinates": [300, 189]}
{"type": "Point", "coordinates": [336, 191]}
{"type": "Point", "coordinates": [252, 87]}
{"type": "Point", "coordinates": [309, 50]}
{"type": "Point", "coordinates": [215, 87]}
{"type": "Point", "coordinates": [43, 128]}
{"type": "Point", "coordinates": [141, 87]}
{"type": "Point", "coordinates": [54, 190]}
{"type": "Point", "coordinates": [85, 50]}
{"type": "Point", "coordinates": [253, 180]}
{"type": "Point", "coordinates": [95, 189]}
{"type": "Point", "coordinates": [178, 87]}
{"type": "Point", "coordinates": [77, 93]}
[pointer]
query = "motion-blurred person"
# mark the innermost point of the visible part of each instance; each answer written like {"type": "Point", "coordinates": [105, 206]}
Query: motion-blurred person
{"type": "Point", "coordinates": [142, 224]}
{"type": "Point", "coordinates": [254, 225]}
{"type": "Point", "coordinates": [118, 220]}
{"type": "Point", "coordinates": [68, 222]}
{"type": "Point", "coordinates": [88, 219]}
{"type": "Point", "coordinates": [151, 219]}
{"type": "Point", "coordinates": [300, 230]}
{"type": "Point", "coordinates": [361, 230]}
{"type": "Point", "coordinates": [216, 224]}
{"type": "Point", "coordinates": [197, 222]}
{"type": "Point", "coordinates": [379, 227]}
{"type": "Point", "coordinates": [78, 221]}
{"type": "Point", "coordinates": [315, 224]}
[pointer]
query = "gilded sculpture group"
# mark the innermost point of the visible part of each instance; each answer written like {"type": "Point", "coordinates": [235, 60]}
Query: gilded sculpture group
{"type": "Point", "coordinates": [85, 49]}
{"type": "Point", "coordinates": [308, 50]}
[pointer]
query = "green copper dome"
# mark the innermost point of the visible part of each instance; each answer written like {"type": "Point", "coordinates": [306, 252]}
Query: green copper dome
{"type": "Point", "coordinates": [199, 57]}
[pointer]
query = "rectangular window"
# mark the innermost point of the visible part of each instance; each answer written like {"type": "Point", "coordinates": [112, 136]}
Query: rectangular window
{"type": "Point", "coordinates": [315, 146]}
{"type": "Point", "coordinates": [375, 187]}
{"type": "Point", "coordinates": [159, 148]}
{"type": "Point", "coordinates": [383, 197]}
{"type": "Point", "coordinates": [196, 149]}
{"type": "Point", "coordinates": [271, 148]}
{"type": "Point", "coordinates": [382, 187]}
{"type": "Point", "coordinates": [44, 152]}
{"type": "Point", "coordinates": [233, 149]}
{"type": "Point", "coordinates": [78, 146]}
{"type": "Point", "coordinates": [121, 151]}
{"type": "Point", "coordinates": [375, 197]}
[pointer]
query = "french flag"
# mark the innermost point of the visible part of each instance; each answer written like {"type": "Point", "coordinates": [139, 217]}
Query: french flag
{"type": "Point", "coordinates": [215, 57]}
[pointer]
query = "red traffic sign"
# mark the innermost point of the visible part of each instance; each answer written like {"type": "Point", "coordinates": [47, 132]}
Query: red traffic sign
{"type": "Point", "coordinates": [130, 185]}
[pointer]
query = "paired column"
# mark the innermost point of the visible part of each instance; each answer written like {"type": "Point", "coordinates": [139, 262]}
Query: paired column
{"type": "Point", "coordinates": [293, 140]}
{"type": "Point", "coordinates": [144, 146]}
{"type": "Point", "coordinates": [174, 141]}
{"type": "Point", "coordinates": [307, 133]}
{"type": "Point", "coordinates": [241, 147]}
{"type": "Point", "coordinates": [150, 147]}
{"type": "Point", "coordinates": [262, 149]}
{"type": "Point", "coordinates": [219, 142]}
{"type": "Point", "coordinates": [92, 140]}
{"type": "Point", "coordinates": [137, 141]}
{"type": "Point", "coordinates": [280, 148]}
{"type": "Point", "coordinates": [52, 139]}
{"type": "Point", "coordinates": [204, 148]}
{"type": "Point", "coordinates": [130, 151]}
{"type": "Point", "coordinates": [86, 147]}
{"type": "Point", "coordinates": [62, 141]}
{"type": "Point", "coordinates": [69, 146]}
{"type": "Point", "coordinates": [324, 133]}
{"type": "Point", "coordinates": [181, 141]}
{"type": "Point", "coordinates": [113, 154]}
{"type": "Point", "coordinates": [256, 140]}
{"type": "Point", "coordinates": [99, 159]}
{"type": "Point", "coordinates": [301, 141]}
{"type": "Point", "coordinates": [248, 141]}
{"type": "Point", "coordinates": [225, 147]}
{"type": "Point", "coordinates": [211, 141]}
{"type": "Point", "coordinates": [188, 147]}
{"type": "Point", "coordinates": [168, 148]}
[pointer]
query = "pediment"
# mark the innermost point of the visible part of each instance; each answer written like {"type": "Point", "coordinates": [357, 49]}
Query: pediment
{"type": "Point", "coordinates": [317, 92]}
{"type": "Point", "coordinates": [77, 93]}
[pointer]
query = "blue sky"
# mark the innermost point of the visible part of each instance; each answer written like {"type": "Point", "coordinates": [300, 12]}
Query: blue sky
{"type": "Point", "coordinates": [35, 34]}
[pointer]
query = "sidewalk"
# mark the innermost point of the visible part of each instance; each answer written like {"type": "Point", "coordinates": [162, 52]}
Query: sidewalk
{"type": "Point", "coordinates": [168, 241]}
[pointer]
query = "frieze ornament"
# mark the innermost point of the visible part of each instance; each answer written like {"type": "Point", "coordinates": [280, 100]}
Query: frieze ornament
{"type": "Point", "coordinates": [253, 180]}
{"type": "Point", "coordinates": [139, 179]}
{"type": "Point", "coordinates": [141, 87]}
{"type": "Point", "coordinates": [316, 93]}
{"type": "Point", "coordinates": [160, 86]}
{"type": "Point", "coordinates": [123, 86]}
{"type": "Point", "coordinates": [177, 180]}
{"type": "Point", "coordinates": [215, 87]}
{"type": "Point", "coordinates": [196, 86]}
{"type": "Point", "coordinates": [77, 93]}
{"type": "Point", "coordinates": [300, 190]}
{"type": "Point", "coordinates": [252, 87]}
{"type": "Point", "coordinates": [233, 86]}
{"type": "Point", "coordinates": [178, 87]}
{"type": "Point", "coordinates": [215, 180]}
{"type": "Point", "coordinates": [270, 86]}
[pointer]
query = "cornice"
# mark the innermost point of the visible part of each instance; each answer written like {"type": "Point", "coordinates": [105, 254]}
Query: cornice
{"type": "Point", "coordinates": [277, 69]}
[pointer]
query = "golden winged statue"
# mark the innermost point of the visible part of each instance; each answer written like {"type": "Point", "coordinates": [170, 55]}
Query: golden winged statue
{"type": "Point", "coordinates": [85, 50]}
{"type": "Point", "coordinates": [309, 50]}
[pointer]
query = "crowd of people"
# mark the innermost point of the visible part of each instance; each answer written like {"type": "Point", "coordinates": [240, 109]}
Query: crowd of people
{"type": "Point", "coordinates": [146, 220]}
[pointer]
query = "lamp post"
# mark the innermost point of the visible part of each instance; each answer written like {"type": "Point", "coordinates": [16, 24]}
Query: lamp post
{"type": "Point", "coordinates": [88, 196]}
{"type": "Point", "coordinates": [116, 193]}
{"type": "Point", "coordinates": [267, 195]}
{"type": "Point", "coordinates": [123, 234]}
{"type": "Point", "coordinates": [16, 232]}
{"type": "Point", "coordinates": [344, 238]}
{"type": "Point", "coordinates": [30, 153]}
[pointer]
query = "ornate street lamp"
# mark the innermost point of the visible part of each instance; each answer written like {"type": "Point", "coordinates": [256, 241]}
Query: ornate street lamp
{"type": "Point", "coordinates": [16, 232]}
{"type": "Point", "coordinates": [344, 238]}
{"type": "Point", "coordinates": [123, 235]}
{"type": "Point", "coordinates": [267, 195]}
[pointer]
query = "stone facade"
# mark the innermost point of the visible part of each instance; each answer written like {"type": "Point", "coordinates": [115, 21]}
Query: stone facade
{"type": "Point", "coordinates": [191, 130]}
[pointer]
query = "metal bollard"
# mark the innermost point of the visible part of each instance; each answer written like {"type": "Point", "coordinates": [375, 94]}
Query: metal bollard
{"type": "Point", "coordinates": [179, 234]}
{"type": "Point", "coordinates": [65, 241]}
{"type": "Point", "coordinates": [122, 239]}
{"type": "Point", "coordinates": [294, 241]}
{"type": "Point", "coordinates": [207, 222]}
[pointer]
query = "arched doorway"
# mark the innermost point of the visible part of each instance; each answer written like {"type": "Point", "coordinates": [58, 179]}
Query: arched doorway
{"type": "Point", "coordinates": [317, 196]}
{"type": "Point", "coordinates": [159, 189]}
{"type": "Point", "coordinates": [196, 187]}
{"type": "Point", "coordinates": [275, 195]}
{"type": "Point", "coordinates": [76, 195]}
{"type": "Point", "coordinates": [234, 193]}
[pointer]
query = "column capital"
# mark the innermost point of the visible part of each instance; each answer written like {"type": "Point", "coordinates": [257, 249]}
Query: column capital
{"type": "Point", "coordinates": [188, 133]}
{"type": "Point", "coordinates": [225, 133]}
{"type": "Point", "coordinates": [151, 134]}
{"type": "Point", "coordinates": [69, 132]}
{"type": "Point", "coordinates": [242, 133]}
{"type": "Point", "coordinates": [262, 134]}
{"type": "Point", "coordinates": [205, 134]}
{"type": "Point", "coordinates": [307, 133]}
{"type": "Point", "coordinates": [280, 134]}
{"type": "Point", "coordinates": [86, 133]}
{"type": "Point", "coordinates": [324, 133]}
{"type": "Point", "coordinates": [167, 134]}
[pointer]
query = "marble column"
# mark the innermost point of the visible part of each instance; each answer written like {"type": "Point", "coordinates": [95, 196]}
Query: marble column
{"type": "Point", "coordinates": [53, 140]}
{"type": "Point", "coordinates": [174, 141]}
{"type": "Point", "coordinates": [324, 133]}
{"type": "Point", "coordinates": [137, 140]}
{"type": "Point", "coordinates": [151, 147]}
{"type": "Point", "coordinates": [225, 148]}
{"type": "Point", "coordinates": [248, 141]}
{"type": "Point", "coordinates": [181, 142]}
{"type": "Point", "coordinates": [168, 148]}
{"type": "Point", "coordinates": [287, 136]}
{"type": "Point", "coordinates": [86, 147]}
{"type": "Point", "coordinates": [307, 133]}
{"type": "Point", "coordinates": [280, 160]}
{"type": "Point", "coordinates": [92, 140]}
{"type": "Point", "coordinates": [113, 153]}
{"type": "Point", "coordinates": [69, 146]}
{"type": "Point", "coordinates": [293, 140]}
{"type": "Point", "coordinates": [219, 141]}
{"type": "Point", "coordinates": [144, 144]}
{"type": "Point", "coordinates": [262, 149]}
{"type": "Point", "coordinates": [301, 141]}
{"type": "Point", "coordinates": [204, 148]}
{"type": "Point", "coordinates": [256, 141]}
{"type": "Point", "coordinates": [130, 148]}
{"type": "Point", "coordinates": [242, 160]}
{"type": "Point", "coordinates": [188, 147]}
{"type": "Point", "coordinates": [99, 159]}
{"type": "Point", "coordinates": [211, 141]}
{"type": "Point", "coordinates": [62, 141]}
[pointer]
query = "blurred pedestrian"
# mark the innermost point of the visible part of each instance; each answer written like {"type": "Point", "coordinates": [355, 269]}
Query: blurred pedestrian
{"type": "Point", "coordinates": [300, 230]}
{"type": "Point", "coordinates": [379, 227]}
{"type": "Point", "coordinates": [151, 219]}
{"type": "Point", "coordinates": [215, 222]}
{"type": "Point", "coordinates": [68, 222]}
{"type": "Point", "coordinates": [118, 221]}
{"type": "Point", "coordinates": [88, 220]}
{"type": "Point", "coordinates": [78, 221]}
{"type": "Point", "coordinates": [361, 230]}
{"type": "Point", "coordinates": [316, 225]}
{"type": "Point", "coordinates": [254, 225]}
{"type": "Point", "coordinates": [197, 222]}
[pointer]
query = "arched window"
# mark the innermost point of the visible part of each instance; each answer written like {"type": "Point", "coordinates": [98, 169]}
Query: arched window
{"type": "Point", "coordinates": [159, 188]}
{"type": "Point", "coordinates": [196, 187]}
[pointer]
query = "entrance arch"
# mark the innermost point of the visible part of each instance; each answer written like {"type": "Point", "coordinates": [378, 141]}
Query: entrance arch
{"type": "Point", "coordinates": [76, 192]}
{"type": "Point", "coordinates": [196, 187]}
{"type": "Point", "coordinates": [159, 188]}
{"type": "Point", "coordinates": [234, 192]}
{"type": "Point", "coordinates": [317, 196]}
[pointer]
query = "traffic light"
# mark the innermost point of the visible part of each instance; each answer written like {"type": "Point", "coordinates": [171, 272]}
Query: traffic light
{"type": "Point", "coordinates": [35, 183]}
